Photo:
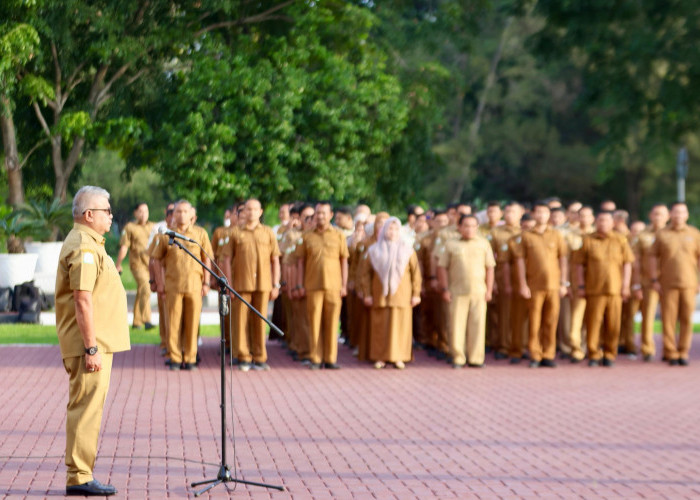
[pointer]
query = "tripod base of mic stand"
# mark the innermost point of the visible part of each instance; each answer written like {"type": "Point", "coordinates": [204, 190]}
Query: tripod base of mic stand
{"type": "Point", "coordinates": [224, 476]}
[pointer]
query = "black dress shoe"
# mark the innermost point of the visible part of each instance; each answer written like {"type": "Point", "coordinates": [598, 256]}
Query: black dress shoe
{"type": "Point", "coordinates": [548, 363]}
{"type": "Point", "coordinates": [499, 355]}
{"type": "Point", "coordinates": [190, 366]}
{"type": "Point", "coordinates": [331, 366]}
{"type": "Point", "coordinates": [683, 362]}
{"type": "Point", "coordinates": [149, 326]}
{"type": "Point", "coordinates": [475, 365]}
{"type": "Point", "coordinates": [608, 362]}
{"type": "Point", "coordinates": [593, 362]}
{"type": "Point", "coordinates": [92, 489]}
{"type": "Point", "coordinates": [673, 362]}
{"type": "Point", "coordinates": [534, 364]}
{"type": "Point", "coordinates": [315, 366]}
{"type": "Point", "coordinates": [515, 361]}
{"type": "Point", "coordinates": [648, 358]}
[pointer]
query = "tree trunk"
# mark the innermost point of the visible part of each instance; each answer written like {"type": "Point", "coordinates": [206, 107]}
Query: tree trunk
{"type": "Point", "coordinates": [476, 124]}
{"type": "Point", "coordinates": [9, 144]}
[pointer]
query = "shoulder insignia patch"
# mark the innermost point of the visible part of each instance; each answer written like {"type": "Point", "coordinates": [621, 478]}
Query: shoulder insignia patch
{"type": "Point", "coordinates": [88, 258]}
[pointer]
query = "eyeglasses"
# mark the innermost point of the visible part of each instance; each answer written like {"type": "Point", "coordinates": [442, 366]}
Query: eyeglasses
{"type": "Point", "coordinates": [108, 210]}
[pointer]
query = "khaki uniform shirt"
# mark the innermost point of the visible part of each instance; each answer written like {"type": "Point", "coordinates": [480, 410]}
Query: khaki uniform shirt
{"type": "Point", "coordinates": [251, 253]}
{"type": "Point", "coordinates": [288, 245]}
{"type": "Point", "coordinates": [84, 265]}
{"type": "Point", "coordinates": [447, 233]}
{"type": "Point", "coordinates": [541, 253]}
{"type": "Point", "coordinates": [604, 256]}
{"type": "Point", "coordinates": [183, 274]}
{"type": "Point", "coordinates": [466, 262]}
{"type": "Point", "coordinates": [500, 236]}
{"type": "Point", "coordinates": [220, 238]}
{"type": "Point", "coordinates": [678, 251]}
{"type": "Point", "coordinates": [322, 251]}
{"type": "Point", "coordinates": [135, 236]}
{"type": "Point", "coordinates": [645, 242]}
{"type": "Point", "coordinates": [574, 242]}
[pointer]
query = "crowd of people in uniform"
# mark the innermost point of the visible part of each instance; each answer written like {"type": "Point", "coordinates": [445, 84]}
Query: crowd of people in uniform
{"type": "Point", "coordinates": [536, 283]}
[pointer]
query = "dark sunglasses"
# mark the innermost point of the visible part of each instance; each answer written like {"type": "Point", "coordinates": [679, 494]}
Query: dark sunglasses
{"type": "Point", "coordinates": [108, 210]}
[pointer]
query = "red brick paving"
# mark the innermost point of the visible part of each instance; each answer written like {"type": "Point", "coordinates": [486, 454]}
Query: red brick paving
{"type": "Point", "coordinates": [427, 432]}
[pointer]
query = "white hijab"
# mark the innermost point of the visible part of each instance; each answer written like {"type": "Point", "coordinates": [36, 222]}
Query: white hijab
{"type": "Point", "coordinates": [389, 258]}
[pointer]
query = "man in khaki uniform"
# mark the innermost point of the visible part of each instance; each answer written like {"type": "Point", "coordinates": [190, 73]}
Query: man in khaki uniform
{"type": "Point", "coordinates": [135, 238]}
{"type": "Point", "coordinates": [674, 271]}
{"type": "Point", "coordinates": [604, 269]}
{"type": "Point", "coordinates": [541, 257]}
{"type": "Point", "coordinates": [153, 269]}
{"type": "Point", "coordinates": [518, 304]}
{"type": "Point", "coordinates": [251, 262]}
{"type": "Point", "coordinates": [323, 270]}
{"type": "Point", "coordinates": [466, 274]}
{"type": "Point", "coordinates": [586, 226]}
{"type": "Point", "coordinates": [631, 306]}
{"type": "Point", "coordinates": [658, 218]}
{"type": "Point", "coordinates": [494, 214]}
{"type": "Point", "coordinates": [184, 283]}
{"type": "Point", "coordinates": [92, 324]}
{"type": "Point", "coordinates": [500, 236]}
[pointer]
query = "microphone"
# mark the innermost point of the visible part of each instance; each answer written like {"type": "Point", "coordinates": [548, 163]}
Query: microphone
{"type": "Point", "coordinates": [173, 234]}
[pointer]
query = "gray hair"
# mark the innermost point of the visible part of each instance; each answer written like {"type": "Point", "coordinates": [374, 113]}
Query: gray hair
{"type": "Point", "coordinates": [82, 198]}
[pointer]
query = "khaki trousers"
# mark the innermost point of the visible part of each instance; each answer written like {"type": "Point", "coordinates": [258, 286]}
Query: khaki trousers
{"type": "Point", "coordinates": [323, 313]}
{"type": "Point", "coordinates": [629, 309]}
{"type": "Point", "coordinates": [163, 321]}
{"type": "Point", "coordinates": [86, 398]}
{"type": "Point", "coordinates": [250, 330]}
{"type": "Point", "coordinates": [184, 311]}
{"type": "Point", "coordinates": [677, 305]}
{"type": "Point", "coordinates": [518, 325]}
{"type": "Point", "coordinates": [142, 303]}
{"type": "Point", "coordinates": [603, 315]}
{"type": "Point", "coordinates": [543, 307]}
{"type": "Point", "coordinates": [650, 302]}
{"type": "Point", "coordinates": [467, 329]}
{"type": "Point", "coordinates": [301, 332]}
{"type": "Point", "coordinates": [564, 326]}
{"type": "Point", "coordinates": [577, 332]}
{"type": "Point", "coordinates": [493, 338]}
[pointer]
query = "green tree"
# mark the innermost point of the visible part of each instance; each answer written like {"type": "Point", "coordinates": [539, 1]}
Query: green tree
{"type": "Point", "coordinates": [303, 110]}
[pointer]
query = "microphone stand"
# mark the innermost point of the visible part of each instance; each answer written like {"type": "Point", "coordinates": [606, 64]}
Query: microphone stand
{"type": "Point", "coordinates": [224, 475]}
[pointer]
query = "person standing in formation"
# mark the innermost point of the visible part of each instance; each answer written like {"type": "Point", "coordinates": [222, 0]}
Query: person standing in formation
{"type": "Point", "coordinates": [92, 324]}
{"type": "Point", "coordinates": [674, 271]}
{"type": "Point", "coordinates": [251, 262]}
{"type": "Point", "coordinates": [134, 239]}
{"type": "Point", "coordinates": [542, 265]}
{"type": "Point", "coordinates": [323, 270]}
{"type": "Point", "coordinates": [466, 276]}
{"type": "Point", "coordinates": [391, 288]}
{"type": "Point", "coordinates": [658, 218]}
{"type": "Point", "coordinates": [184, 283]}
{"type": "Point", "coordinates": [604, 270]}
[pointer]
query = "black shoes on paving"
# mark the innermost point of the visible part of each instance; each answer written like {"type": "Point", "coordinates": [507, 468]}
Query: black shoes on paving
{"type": "Point", "coordinates": [93, 488]}
{"type": "Point", "coordinates": [327, 366]}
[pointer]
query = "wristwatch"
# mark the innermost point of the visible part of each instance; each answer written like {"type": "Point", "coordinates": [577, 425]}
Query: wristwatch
{"type": "Point", "coordinates": [91, 350]}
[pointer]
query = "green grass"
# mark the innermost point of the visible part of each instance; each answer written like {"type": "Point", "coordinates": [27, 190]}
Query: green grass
{"type": "Point", "coordinates": [39, 334]}
{"type": "Point", "coordinates": [127, 278]}
{"type": "Point", "coordinates": [12, 333]}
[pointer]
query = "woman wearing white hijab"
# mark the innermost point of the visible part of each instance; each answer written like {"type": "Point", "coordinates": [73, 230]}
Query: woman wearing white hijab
{"type": "Point", "coordinates": [391, 287]}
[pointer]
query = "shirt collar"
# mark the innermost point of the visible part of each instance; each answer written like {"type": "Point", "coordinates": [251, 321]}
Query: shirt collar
{"type": "Point", "coordinates": [91, 232]}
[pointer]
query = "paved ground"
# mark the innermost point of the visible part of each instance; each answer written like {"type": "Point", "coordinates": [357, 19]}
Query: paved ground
{"type": "Point", "coordinates": [428, 432]}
